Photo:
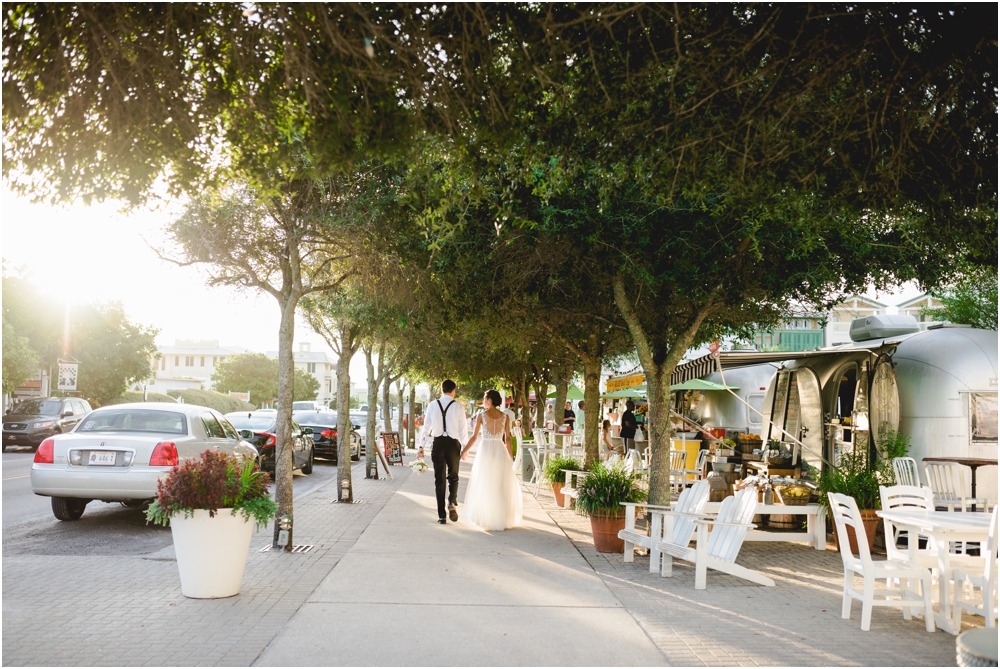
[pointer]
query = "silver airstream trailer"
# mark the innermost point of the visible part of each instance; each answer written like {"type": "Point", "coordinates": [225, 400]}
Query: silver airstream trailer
{"type": "Point", "coordinates": [721, 409]}
{"type": "Point", "coordinates": [938, 387]}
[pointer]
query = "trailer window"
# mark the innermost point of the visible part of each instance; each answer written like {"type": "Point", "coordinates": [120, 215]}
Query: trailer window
{"type": "Point", "coordinates": [983, 416]}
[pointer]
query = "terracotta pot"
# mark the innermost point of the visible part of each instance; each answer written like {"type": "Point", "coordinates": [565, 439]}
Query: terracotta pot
{"type": "Point", "coordinates": [605, 532]}
{"type": "Point", "coordinates": [557, 491]}
{"type": "Point", "coordinates": [870, 521]}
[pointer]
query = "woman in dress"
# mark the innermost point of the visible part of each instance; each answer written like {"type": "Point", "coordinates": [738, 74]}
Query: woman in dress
{"type": "Point", "coordinates": [607, 448]}
{"type": "Point", "coordinates": [493, 498]}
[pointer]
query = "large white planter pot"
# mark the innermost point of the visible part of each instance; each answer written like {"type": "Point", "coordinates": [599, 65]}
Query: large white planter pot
{"type": "Point", "coordinates": [211, 552]}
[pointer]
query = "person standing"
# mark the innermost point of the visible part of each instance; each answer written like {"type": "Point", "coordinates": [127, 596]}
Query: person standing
{"type": "Point", "coordinates": [581, 417]}
{"type": "Point", "coordinates": [569, 416]}
{"type": "Point", "coordinates": [550, 416]}
{"type": "Point", "coordinates": [445, 423]}
{"type": "Point", "coordinates": [628, 425]}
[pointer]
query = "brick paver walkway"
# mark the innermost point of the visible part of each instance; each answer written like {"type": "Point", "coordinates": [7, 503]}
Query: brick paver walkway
{"type": "Point", "coordinates": [129, 610]}
{"type": "Point", "coordinates": [737, 623]}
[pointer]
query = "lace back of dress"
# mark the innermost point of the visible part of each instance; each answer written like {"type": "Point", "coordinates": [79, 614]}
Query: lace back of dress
{"type": "Point", "coordinates": [499, 424]}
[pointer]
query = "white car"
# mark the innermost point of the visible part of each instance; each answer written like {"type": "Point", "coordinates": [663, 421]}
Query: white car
{"type": "Point", "coordinates": [118, 453]}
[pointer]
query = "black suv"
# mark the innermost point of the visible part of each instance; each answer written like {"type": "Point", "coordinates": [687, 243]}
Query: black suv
{"type": "Point", "coordinates": [31, 421]}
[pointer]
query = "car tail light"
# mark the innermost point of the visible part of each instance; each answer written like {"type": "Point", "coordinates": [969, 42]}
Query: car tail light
{"type": "Point", "coordinates": [271, 440]}
{"type": "Point", "coordinates": [164, 455]}
{"type": "Point", "coordinates": [329, 434]}
{"type": "Point", "coordinates": [44, 452]}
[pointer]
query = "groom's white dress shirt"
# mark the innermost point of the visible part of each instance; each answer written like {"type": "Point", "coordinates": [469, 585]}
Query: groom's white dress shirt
{"type": "Point", "coordinates": [458, 426]}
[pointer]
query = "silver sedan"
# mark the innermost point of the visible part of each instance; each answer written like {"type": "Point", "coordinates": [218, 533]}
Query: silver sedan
{"type": "Point", "coordinates": [118, 453]}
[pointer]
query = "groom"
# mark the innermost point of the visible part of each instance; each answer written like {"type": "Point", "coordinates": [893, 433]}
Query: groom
{"type": "Point", "coordinates": [445, 421]}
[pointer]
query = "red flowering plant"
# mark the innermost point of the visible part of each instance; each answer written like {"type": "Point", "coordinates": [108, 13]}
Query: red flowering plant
{"type": "Point", "coordinates": [215, 481]}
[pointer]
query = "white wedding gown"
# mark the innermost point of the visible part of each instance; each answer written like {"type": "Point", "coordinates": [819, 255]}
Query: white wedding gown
{"type": "Point", "coordinates": [493, 499]}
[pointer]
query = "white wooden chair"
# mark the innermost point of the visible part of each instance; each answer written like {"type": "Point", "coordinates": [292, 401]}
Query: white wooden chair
{"type": "Point", "coordinates": [633, 462]}
{"type": "Point", "coordinates": [948, 481]}
{"type": "Point", "coordinates": [691, 503]}
{"type": "Point", "coordinates": [906, 473]}
{"type": "Point", "coordinates": [719, 549]}
{"type": "Point", "coordinates": [569, 489]}
{"type": "Point", "coordinates": [699, 465]}
{"type": "Point", "coordinates": [536, 475]}
{"type": "Point", "coordinates": [845, 514]}
{"type": "Point", "coordinates": [677, 471]}
{"type": "Point", "coordinates": [985, 580]}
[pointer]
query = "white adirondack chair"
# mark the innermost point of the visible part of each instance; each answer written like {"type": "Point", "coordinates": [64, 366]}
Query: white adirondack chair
{"type": "Point", "coordinates": [677, 471]}
{"type": "Point", "coordinates": [678, 521]}
{"type": "Point", "coordinates": [845, 514]}
{"type": "Point", "coordinates": [985, 580]}
{"type": "Point", "coordinates": [949, 483]}
{"type": "Point", "coordinates": [906, 471]}
{"type": "Point", "coordinates": [719, 549]}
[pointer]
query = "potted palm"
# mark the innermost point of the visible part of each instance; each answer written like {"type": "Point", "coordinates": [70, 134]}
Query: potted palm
{"type": "Point", "coordinates": [859, 477]}
{"type": "Point", "coordinates": [557, 477]}
{"type": "Point", "coordinates": [209, 504]}
{"type": "Point", "coordinates": [600, 497]}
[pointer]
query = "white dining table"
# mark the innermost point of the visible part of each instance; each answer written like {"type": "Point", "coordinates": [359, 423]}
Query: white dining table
{"type": "Point", "coordinates": [943, 527]}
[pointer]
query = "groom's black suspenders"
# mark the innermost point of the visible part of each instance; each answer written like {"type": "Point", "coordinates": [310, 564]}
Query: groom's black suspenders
{"type": "Point", "coordinates": [444, 418]}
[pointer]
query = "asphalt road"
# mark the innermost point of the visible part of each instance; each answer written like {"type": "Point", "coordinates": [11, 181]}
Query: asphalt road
{"type": "Point", "coordinates": [29, 528]}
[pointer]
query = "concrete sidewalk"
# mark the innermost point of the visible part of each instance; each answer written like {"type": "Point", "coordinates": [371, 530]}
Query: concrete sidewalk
{"type": "Point", "coordinates": [412, 592]}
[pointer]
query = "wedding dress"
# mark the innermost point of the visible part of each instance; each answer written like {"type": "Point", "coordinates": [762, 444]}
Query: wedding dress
{"type": "Point", "coordinates": [493, 498]}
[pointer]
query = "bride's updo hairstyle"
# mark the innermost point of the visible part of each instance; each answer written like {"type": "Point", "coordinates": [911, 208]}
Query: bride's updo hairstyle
{"type": "Point", "coordinates": [495, 398]}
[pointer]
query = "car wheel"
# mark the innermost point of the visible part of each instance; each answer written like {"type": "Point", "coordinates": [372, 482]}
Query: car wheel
{"type": "Point", "coordinates": [307, 468]}
{"type": "Point", "coordinates": [68, 508]}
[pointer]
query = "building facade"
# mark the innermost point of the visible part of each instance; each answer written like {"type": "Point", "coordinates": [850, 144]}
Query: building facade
{"type": "Point", "coordinates": [918, 307]}
{"type": "Point", "coordinates": [322, 366]}
{"type": "Point", "coordinates": [188, 364]}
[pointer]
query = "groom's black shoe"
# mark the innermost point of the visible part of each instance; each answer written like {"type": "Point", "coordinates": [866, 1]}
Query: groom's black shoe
{"type": "Point", "coordinates": [453, 513]}
{"type": "Point", "coordinates": [442, 521]}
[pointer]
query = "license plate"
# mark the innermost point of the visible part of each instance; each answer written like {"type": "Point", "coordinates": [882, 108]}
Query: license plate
{"type": "Point", "coordinates": [106, 458]}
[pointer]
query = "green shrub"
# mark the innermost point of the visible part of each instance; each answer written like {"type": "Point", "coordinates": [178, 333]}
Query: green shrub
{"type": "Point", "coordinates": [213, 400]}
{"type": "Point", "coordinates": [858, 478]}
{"type": "Point", "coordinates": [136, 396]}
{"type": "Point", "coordinates": [605, 488]}
{"type": "Point", "coordinates": [555, 466]}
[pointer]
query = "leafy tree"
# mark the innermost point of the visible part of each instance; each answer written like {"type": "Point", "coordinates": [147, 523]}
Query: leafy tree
{"type": "Point", "coordinates": [20, 363]}
{"type": "Point", "coordinates": [113, 352]}
{"type": "Point", "coordinates": [258, 374]}
{"type": "Point", "coordinates": [972, 299]}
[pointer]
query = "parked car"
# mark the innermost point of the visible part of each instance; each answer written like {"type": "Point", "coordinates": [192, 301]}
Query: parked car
{"type": "Point", "coordinates": [360, 420]}
{"type": "Point", "coordinates": [34, 420]}
{"type": "Point", "coordinates": [118, 453]}
{"type": "Point", "coordinates": [260, 428]}
{"type": "Point", "coordinates": [324, 432]}
{"type": "Point", "coordinates": [308, 406]}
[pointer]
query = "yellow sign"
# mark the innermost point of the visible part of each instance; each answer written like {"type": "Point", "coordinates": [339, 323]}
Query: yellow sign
{"type": "Point", "coordinates": [623, 382]}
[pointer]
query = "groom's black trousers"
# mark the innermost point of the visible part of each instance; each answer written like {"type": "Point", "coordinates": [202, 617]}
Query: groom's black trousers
{"type": "Point", "coordinates": [446, 454]}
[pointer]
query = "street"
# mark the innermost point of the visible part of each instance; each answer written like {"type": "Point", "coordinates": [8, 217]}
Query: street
{"type": "Point", "coordinates": [29, 528]}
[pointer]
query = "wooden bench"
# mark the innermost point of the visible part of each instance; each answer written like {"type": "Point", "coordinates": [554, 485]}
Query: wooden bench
{"type": "Point", "coordinates": [815, 534]}
{"type": "Point", "coordinates": [569, 489]}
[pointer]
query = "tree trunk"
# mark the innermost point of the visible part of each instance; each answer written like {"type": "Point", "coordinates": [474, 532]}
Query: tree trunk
{"type": "Point", "coordinates": [399, 398]}
{"type": "Point", "coordinates": [562, 387]}
{"type": "Point", "coordinates": [541, 390]}
{"type": "Point", "coordinates": [386, 411]}
{"type": "Point", "coordinates": [411, 419]}
{"type": "Point", "coordinates": [371, 425]}
{"type": "Point", "coordinates": [527, 424]}
{"type": "Point", "coordinates": [344, 423]}
{"type": "Point", "coordinates": [283, 493]}
{"type": "Point", "coordinates": [591, 409]}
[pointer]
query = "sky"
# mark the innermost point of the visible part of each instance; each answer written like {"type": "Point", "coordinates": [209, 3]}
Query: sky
{"type": "Point", "coordinates": [97, 254]}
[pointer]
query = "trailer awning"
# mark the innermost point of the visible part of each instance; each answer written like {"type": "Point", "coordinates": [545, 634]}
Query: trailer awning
{"type": "Point", "coordinates": [706, 365]}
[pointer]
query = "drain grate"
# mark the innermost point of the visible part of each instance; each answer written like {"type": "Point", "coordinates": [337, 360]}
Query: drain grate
{"type": "Point", "coordinates": [296, 548]}
{"type": "Point", "coordinates": [357, 501]}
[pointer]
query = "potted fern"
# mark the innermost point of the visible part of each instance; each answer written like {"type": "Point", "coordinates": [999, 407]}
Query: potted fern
{"type": "Point", "coordinates": [209, 504]}
{"type": "Point", "coordinates": [557, 477]}
{"type": "Point", "coordinates": [600, 497]}
{"type": "Point", "coordinates": [859, 478]}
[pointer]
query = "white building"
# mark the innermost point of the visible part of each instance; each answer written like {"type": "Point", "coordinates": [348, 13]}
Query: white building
{"type": "Point", "coordinates": [322, 366]}
{"type": "Point", "coordinates": [188, 364]}
{"type": "Point", "coordinates": [917, 306]}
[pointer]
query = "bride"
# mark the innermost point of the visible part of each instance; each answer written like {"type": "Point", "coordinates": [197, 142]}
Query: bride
{"type": "Point", "coordinates": [493, 498]}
